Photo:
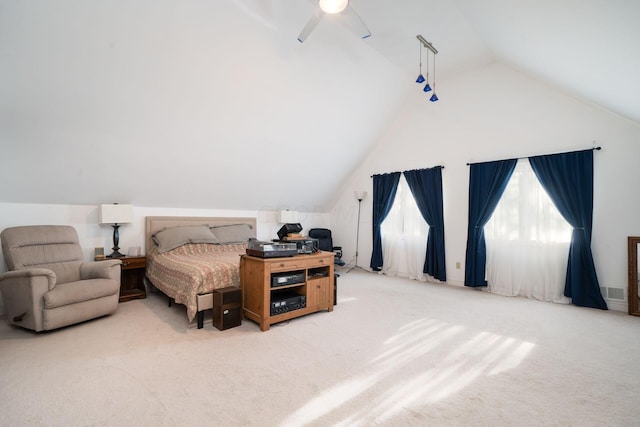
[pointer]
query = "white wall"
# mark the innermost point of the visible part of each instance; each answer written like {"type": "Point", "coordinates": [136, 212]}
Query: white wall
{"type": "Point", "coordinates": [85, 220]}
{"type": "Point", "coordinates": [496, 113]}
{"type": "Point", "coordinates": [219, 112]}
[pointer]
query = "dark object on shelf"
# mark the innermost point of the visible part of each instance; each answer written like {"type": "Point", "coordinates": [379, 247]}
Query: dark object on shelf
{"type": "Point", "coordinates": [325, 243]}
{"type": "Point", "coordinates": [287, 229]}
{"type": "Point", "coordinates": [287, 278]}
{"type": "Point", "coordinates": [286, 301]}
{"type": "Point", "coordinates": [303, 245]}
{"type": "Point", "coordinates": [227, 307]}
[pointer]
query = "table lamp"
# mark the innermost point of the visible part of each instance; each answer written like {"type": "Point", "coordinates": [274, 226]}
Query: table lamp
{"type": "Point", "coordinates": [115, 215]}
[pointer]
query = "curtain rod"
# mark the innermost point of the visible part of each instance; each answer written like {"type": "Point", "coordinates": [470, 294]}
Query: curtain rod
{"type": "Point", "coordinates": [439, 166]}
{"type": "Point", "coordinates": [526, 157]}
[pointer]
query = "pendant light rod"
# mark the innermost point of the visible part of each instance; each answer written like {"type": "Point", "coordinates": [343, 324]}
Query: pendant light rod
{"type": "Point", "coordinates": [427, 44]}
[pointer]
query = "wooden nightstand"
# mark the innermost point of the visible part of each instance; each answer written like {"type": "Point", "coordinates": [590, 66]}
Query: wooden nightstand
{"type": "Point", "coordinates": [132, 278]}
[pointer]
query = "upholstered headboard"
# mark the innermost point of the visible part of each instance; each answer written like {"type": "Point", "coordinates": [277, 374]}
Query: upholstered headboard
{"type": "Point", "coordinates": [153, 224]}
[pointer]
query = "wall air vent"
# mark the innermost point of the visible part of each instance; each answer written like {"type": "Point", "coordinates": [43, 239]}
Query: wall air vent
{"type": "Point", "coordinates": [613, 293]}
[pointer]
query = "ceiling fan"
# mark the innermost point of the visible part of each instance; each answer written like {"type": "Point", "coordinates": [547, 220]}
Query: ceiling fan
{"type": "Point", "coordinates": [333, 7]}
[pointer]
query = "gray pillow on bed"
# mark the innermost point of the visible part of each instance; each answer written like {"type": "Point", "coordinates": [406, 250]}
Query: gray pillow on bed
{"type": "Point", "coordinates": [235, 233]}
{"type": "Point", "coordinates": [171, 238]}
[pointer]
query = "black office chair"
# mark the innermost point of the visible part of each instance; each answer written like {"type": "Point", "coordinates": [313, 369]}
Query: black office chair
{"type": "Point", "coordinates": [325, 243]}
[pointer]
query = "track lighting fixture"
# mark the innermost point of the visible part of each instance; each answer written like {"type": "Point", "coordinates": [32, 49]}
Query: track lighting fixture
{"type": "Point", "coordinates": [421, 79]}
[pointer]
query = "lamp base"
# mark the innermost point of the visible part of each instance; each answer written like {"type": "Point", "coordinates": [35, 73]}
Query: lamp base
{"type": "Point", "coordinates": [116, 239]}
{"type": "Point", "coordinates": [115, 254]}
{"type": "Point", "coordinates": [358, 268]}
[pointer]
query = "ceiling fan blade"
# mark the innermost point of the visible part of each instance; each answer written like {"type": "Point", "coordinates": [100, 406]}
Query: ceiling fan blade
{"type": "Point", "coordinates": [357, 23]}
{"type": "Point", "coordinates": [311, 24]}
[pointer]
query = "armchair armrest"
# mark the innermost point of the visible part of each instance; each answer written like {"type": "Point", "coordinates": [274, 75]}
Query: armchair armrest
{"type": "Point", "coordinates": [23, 295]}
{"type": "Point", "coordinates": [10, 278]}
{"type": "Point", "coordinates": [108, 269]}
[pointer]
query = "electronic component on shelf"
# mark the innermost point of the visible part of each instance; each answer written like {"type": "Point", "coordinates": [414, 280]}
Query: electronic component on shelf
{"type": "Point", "coordinates": [271, 249]}
{"type": "Point", "coordinates": [305, 245]}
{"type": "Point", "coordinates": [283, 302]}
{"type": "Point", "coordinates": [288, 278]}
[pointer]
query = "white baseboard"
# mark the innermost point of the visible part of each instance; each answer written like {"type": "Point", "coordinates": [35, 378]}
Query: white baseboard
{"type": "Point", "coordinates": [617, 305]}
{"type": "Point", "coordinates": [612, 304]}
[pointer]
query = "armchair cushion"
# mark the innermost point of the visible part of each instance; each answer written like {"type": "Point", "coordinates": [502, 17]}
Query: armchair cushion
{"type": "Point", "coordinates": [83, 290]}
{"type": "Point", "coordinates": [54, 247]}
{"type": "Point", "coordinates": [108, 269]}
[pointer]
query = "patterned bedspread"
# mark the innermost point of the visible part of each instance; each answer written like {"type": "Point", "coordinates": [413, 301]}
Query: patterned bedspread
{"type": "Point", "coordinates": [194, 269]}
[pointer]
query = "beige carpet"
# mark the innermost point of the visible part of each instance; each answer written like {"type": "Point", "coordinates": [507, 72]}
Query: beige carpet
{"type": "Point", "coordinates": [393, 352]}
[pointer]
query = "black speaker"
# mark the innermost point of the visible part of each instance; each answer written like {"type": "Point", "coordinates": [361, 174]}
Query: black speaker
{"type": "Point", "coordinates": [227, 307]}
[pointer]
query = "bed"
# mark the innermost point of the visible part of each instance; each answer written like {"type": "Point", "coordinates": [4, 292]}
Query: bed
{"type": "Point", "coordinates": [187, 264]}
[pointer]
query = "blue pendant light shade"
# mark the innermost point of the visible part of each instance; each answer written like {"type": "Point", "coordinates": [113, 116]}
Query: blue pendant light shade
{"type": "Point", "coordinates": [434, 97]}
{"type": "Point", "coordinates": [427, 87]}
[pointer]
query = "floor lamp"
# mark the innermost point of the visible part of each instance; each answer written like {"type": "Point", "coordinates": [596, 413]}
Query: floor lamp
{"type": "Point", "coordinates": [360, 195]}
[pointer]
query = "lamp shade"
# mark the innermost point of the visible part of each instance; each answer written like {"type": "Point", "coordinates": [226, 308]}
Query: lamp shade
{"type": "Point", "coordinates": [288, 217]}
{"type": "Point", "coordinates": [360, 194]}
{"type": "Point", "coordinates": [115, 214]}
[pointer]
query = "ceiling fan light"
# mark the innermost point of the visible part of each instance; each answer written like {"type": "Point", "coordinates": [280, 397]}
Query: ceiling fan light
{"type": "Point", "coordinates": [333, 6]}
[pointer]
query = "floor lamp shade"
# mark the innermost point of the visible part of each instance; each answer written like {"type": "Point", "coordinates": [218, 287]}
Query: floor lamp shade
{"type": "Point", "coordinates": [115, 215]}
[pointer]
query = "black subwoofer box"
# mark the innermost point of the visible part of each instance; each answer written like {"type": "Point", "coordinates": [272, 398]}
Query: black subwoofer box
{"type": "Point", "coordinates": [227, 307]}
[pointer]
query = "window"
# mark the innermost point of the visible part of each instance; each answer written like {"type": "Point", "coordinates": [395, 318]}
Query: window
{"type": "Point", "coordinates": [527, 241]}
{"type": "Point", "coordinates": [404, 236]}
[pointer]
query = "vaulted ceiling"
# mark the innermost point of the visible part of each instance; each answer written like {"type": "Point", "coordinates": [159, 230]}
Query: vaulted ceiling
{"type": "Point", "coordinates": [215, 104]}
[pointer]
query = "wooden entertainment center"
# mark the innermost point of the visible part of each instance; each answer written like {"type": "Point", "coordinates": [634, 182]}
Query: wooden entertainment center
{"type": "Point", "coordinates": [256, 279]}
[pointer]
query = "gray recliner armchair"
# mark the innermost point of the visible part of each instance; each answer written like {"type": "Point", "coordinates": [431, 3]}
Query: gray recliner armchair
{"type": "Point", "coordinates": [48, 285]}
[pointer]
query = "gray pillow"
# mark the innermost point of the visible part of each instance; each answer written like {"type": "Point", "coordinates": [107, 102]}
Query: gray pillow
{"type": "Point", "coordinates": [171, 238]}
{"type": "Point", "coordinates": [235, 233]}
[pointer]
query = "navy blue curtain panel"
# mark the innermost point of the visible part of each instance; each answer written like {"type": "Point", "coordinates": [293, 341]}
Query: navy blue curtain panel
{"type": "Point", "coordinates": [384, 192]}
{"type": "Point", "coordinates": [568, 178]}
{"type": "Point", "coordinates": [426, 187]}
{"type": "Point", "coordinates": [487, 182]}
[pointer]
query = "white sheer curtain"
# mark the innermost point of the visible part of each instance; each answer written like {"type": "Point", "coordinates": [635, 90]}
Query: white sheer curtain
{"type": "Point", "coordinates": [404, 237]}
{"type": "Point", "coordinates": [527, 241]}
